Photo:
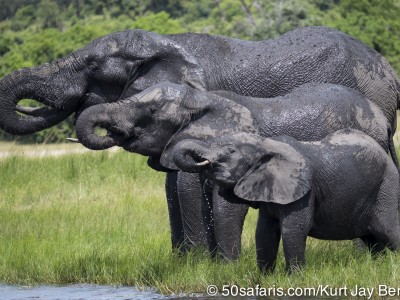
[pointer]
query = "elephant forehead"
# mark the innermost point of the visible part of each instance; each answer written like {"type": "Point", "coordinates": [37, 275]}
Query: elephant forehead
{"type": "Point", "coordinates": [50, 69]}
{"type": "Point", "coordinates": [237, 114]}
{"type": "Point", "coordinates": [207, 130]}
{"type": "Point", "coordinates": [193, 75]}
{"type": "Point", "coordinates": [241, 139]}
{"type": "Point", "coordinates": [112, 46]}
{"type": "Point", "coordinates": [67, 62]}
{"type": "Point", "coordinates": [170, 109]}
{"type": "Point", "coordinates": [167, 94]}
{"type": "Point", "coordinates": [148, 96]}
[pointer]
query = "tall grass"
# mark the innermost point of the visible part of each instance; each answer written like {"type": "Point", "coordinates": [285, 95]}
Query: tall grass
{"type": "Point", "coordinates": [102, 218]}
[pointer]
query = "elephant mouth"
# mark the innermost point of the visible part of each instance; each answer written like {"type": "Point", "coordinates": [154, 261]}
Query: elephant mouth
{"type": "Point", "coordinates": [41, 112]}
{"type": "Point", "coordinates": [227, 181]}
{"type": "Point", "coordinates": [136, 145]}
{"type": "Point", "coordinates": [49, 109]}
{"type": "Point", "coordinates": [45, 112]}
{"type": "Point", "coordinates": [129, 145]}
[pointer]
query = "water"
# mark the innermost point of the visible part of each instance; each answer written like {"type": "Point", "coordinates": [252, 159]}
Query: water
{"type": "Point", "coordinates": [75, 292]}
{"type": "Point", "coordinates": [99, 292]}
{"type": "Point", "coordinates": [96, 292]}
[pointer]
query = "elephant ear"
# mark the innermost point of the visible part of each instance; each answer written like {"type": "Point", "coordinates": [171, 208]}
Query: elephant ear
{"type": "Point", "coordinates": [282, 176]}
{"type": "Point", "coordinates": [166, 60]}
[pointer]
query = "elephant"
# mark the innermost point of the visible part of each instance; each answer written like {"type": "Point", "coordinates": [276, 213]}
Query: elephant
{"type": "Point", "coordinates": [339, 188]}
{"type": "Point", "coordinates": [122, 64]}
{"type": "Point", "coordinates": [153, 122]}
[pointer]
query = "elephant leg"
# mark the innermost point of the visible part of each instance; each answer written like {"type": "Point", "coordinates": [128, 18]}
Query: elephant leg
{"type": "Point", "coordinates": [372, 245]}
{"type": "Point", "coordinates": [389, 238]}
{"type": "Point", "coordinates": [207, 213]}
{"type": "Point", "coordinates": [385, 234]}
{"type": "Point", "coordinates": [268, 235]}
{"type": "Point", "coordinates": [174, 210]}
{"type": "Point", "coordinates": [295, 226]}
{"type": "Point", "coordinates": [385, 223]}
{"type": "Point", "coordinates": [228, 221]}
{"type": "Point", "coordinates": [190, 198]}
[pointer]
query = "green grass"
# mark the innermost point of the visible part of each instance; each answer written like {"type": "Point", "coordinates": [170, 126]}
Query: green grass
{"type": "Point", "coordinates": [102, 218]}
{"type": "Point", "coordinates": [20, 148]}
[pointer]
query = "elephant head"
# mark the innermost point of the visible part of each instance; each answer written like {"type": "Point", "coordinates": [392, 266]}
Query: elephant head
{"type": "Point", "coordinates": [152, 122]}
{"type": "Point", "coordinates": [107, 69]}
{"type": "Point", "coordinates": [142, 124]}
{"type": "Point", "coordinates": [225, 159]}
{"type": "Point", "coordinates": [256, 169]}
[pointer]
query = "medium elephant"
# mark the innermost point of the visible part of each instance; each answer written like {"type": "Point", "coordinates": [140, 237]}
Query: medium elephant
{"type": "Point", "coordinates": [122, 64]}
{"type": "Point", "coordinates": [154, 121]}
{"type": "Point", "coordinates": [340, 188]}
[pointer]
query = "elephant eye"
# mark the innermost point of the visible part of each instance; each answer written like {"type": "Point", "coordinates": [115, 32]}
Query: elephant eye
{"type": "Point", "coordinates": [152, 110]}
{"type": "Point", "coordinates": [231, 150]}
{"type": "Point", "coordinates": [93, 66]}
{"type": "Point", "coordinates": [143, 122]}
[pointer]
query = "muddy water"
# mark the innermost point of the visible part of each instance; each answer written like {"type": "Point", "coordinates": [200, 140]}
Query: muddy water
{"type": "Point", "coordinates": [75, 292]}
{"type": "Point", "coordinates": [98, 292]}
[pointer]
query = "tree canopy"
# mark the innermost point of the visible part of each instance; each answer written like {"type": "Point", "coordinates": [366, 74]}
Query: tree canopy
{"type": "Point", "coordinates": [37, 31]}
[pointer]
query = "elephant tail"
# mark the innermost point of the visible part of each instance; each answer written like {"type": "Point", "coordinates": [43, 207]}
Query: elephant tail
{"type": "Point", "coordinates": [398, 93]}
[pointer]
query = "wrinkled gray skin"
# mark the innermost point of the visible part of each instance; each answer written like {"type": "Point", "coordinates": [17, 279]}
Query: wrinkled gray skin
{"type": "Point", "coordinates": [152, 122]}
{"type": "Point", "coordinates": [340, 188]}
{"type": "Point", "coordinates": [122, 64]}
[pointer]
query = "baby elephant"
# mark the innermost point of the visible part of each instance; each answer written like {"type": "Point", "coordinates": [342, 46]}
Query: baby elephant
{"type": "Point", "coordinates": [340, 188]}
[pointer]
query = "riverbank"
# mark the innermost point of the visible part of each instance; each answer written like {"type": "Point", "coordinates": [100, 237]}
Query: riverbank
{"type": "Point", "coordinates": [101, 218]}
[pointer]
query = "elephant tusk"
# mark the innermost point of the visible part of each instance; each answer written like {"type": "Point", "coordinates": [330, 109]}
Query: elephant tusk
{"type": "Point", "coordinates": [73, 140]}
{"type": "Point", "coordinates": [203, 163]}
{"type": "Point", "coordinates": [26, 110]}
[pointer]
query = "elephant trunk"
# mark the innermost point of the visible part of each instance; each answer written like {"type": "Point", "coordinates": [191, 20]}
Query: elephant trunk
{"type": "Point", "coordinates": [189, 156]}
{"type": "Point", "coordinates": [43, 85]}
{"type": "Point", "coordinates": [88, 121]}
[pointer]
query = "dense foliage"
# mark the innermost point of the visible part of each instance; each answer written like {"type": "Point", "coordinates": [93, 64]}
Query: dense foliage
{"type": "Point", "coordinates": [38, 31]}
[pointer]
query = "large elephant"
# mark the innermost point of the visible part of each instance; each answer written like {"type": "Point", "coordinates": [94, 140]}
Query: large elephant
{"type": "Point", "coordinates": [340, 188]}
{"type": "Point", "coordinates": [154, 121]}
{"type": "Point", "coordinates": [121, 64]}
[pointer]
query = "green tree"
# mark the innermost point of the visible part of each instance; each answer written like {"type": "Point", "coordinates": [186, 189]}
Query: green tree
{"type": "Point", "coordinates": [375, 22]}
{"type": "Point", "coordinates": [48, 13]}
{"type": "Point", "coordinates": [33, 32]}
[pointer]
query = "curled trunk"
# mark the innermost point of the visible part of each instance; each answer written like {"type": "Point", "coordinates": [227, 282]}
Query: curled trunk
{"type": "Point", "coordinates": [33, 84]}
{"type": "Point", "coordinates": [190, 156]}
{"type": "Point", "coordinates": [86, 124]}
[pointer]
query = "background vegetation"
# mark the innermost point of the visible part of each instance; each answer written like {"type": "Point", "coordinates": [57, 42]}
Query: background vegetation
{"type": "Point", "coordinates": [33, 32]}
